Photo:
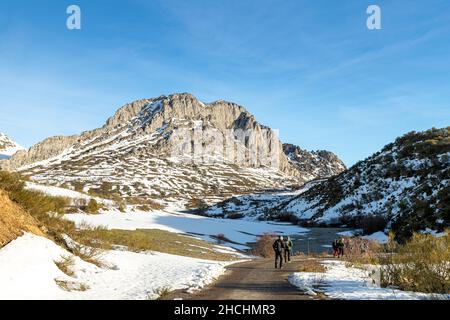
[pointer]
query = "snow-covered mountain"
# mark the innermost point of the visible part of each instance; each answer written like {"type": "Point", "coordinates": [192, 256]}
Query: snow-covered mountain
{"type": "Point", "coordinates": [407, 183]}
{"type": "Point", "coordinates": [8, 147]}
{"type": "Point", "coordinates": [168, 149]}
{"type": "Point", "coordinates": [314, 164]}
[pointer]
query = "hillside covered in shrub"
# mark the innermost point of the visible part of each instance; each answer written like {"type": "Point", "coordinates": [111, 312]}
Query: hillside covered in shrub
{"type": "Point", "coordinates": [405, 187]}
{"type": "Point", "coordinates": [14, 221]}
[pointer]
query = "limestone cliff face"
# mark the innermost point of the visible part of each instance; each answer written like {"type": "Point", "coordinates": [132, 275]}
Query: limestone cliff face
{"type": "Point", "coordinates": [126, 113]}
{"type": "Point", "coordinates": [174, 148]}
{"type": "Point", "coordinates": [46, 149]}
{"type": "Point", "coordinates": [178, 111]}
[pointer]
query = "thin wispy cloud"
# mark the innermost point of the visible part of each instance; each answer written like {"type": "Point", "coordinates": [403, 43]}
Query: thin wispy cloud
{"type": "Point", "coordinates": [308, 68]}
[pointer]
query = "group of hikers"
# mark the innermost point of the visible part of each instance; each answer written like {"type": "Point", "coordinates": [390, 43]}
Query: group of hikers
{"type": "Point", "coordinates": [338, 246]}
{"type": "Point", "coordinates": [282, 247]}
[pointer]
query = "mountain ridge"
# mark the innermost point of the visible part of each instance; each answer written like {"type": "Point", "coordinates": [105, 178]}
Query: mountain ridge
{"type": "Point", "coordinates": [147, 138]}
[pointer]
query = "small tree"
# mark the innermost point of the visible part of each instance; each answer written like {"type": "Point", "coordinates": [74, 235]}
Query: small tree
{"type": "Point", "coordinates": [93, 206]}
{"type": "Point", "coordinates": [263, 246]}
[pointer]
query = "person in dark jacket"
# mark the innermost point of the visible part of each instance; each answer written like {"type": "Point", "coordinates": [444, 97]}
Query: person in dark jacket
{"type": "Point", "coordinates": [335, 248]}
{"type": "Point", "coordinates": [287, 249]}
{"type": "Point", "coordinates": [278, 247]}
{"type": "Point", "coordinates": [341, 246]}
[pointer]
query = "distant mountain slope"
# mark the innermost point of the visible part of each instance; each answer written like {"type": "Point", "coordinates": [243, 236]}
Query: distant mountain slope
{"type": "Point", "coordinates": [314, 164]}
{"type": "Point", "coordinates": [8, 147]}
{"type": "Point", "coordinates": [142, 152]}
{"type": "Point", "coordinates": [407, 183]}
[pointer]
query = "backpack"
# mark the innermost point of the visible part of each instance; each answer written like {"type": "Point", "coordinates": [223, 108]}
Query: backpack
{"type": "Point", "coordinates": [277, 246]}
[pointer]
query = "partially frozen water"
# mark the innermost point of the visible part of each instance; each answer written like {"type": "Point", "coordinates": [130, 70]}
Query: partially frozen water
{"type": "Point", "coordinates": [317, 240]}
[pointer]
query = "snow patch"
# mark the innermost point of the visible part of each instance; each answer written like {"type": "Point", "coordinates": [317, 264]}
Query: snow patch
{"type": "Point", "coordinates": [28, 271]}
{"type": "Point", "coordinates": [379, 237]}
{"type": "Point", "coordinates": [239, 232]}
{"type": "Point", "coordinates": [341, 282]}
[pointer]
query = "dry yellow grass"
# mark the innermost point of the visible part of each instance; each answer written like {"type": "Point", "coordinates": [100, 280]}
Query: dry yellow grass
{"type": "Point", "coordinates": [14, 221]}
{"type": "Point", "coordinates": [312, 265]}
{"type": "Point", "coordinates": [421, 264]}
{"type": "Point", "coordinates": [65, 264]}
{"type": "Point", "coordinates": [155, 240]}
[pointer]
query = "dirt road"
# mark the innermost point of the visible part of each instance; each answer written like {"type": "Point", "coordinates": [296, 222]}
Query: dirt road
{"type": "Point", "coordinates": [252, 280]}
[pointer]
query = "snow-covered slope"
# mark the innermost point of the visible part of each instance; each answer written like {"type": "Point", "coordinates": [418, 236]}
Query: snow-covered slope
{"type": "Point", "coordinates": [239, 232]}
{"type": "Point", "coordinates": [343, 282]}
{"type": "Point", "coordinates": [314, 164]}
{"type": "Point", "coordinates": [142, 152]}
{"type": "Point", "coordinates": [8, 147]}
{"type": "Point", "coordinates": [257, 206]}
{"type": "Point", "coordinates": [407, 183]}
{"type": "Point", "coordinates": [28, 271]}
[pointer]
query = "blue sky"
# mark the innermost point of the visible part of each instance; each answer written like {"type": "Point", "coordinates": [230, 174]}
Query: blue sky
{"type": "Point", "coordinates": [308, 68]}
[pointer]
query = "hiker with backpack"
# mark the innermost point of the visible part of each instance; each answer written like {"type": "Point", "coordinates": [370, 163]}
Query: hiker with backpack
{"type": "Point", "coordinates": [341, 246]}
{"type": "Point", "coordinates": [287, 249]}
{"type": "Point", "coordinates": [278, 247]}
{"type": "Point", "coordinates": [334, 245]}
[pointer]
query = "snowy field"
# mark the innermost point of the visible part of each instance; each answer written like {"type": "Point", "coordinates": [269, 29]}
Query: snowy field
{"type": "Point", "coordinates": [238, 231]}
{"type": "Point", "coordinates": [62, 192]}
{"type": "Point", "coordinates": [28, 271]}
{"type": "Point", "coordinates": [341, 282]}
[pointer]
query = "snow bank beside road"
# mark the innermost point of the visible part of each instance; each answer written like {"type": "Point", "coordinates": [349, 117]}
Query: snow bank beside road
{"type": "Point", "coordinates": [341, 282]}
{"type": "Point", "coordinates": [28, 271]}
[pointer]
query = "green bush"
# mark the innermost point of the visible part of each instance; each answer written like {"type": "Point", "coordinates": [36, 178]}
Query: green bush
{"type": "Point", "coordinates": [36, 203]}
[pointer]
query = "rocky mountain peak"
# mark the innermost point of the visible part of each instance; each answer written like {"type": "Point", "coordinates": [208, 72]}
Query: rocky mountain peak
{"type": "Point", "coordinates": [317, 164]}
{"type": "Point", "coordinates": [178, 106]}
{"type": "Point", "coordinates": [8, 147]}
{"type": "Point", "coordinates": [153, 146]}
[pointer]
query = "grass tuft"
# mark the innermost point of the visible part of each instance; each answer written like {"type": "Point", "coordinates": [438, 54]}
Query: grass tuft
{"type": "Point", "coordinates": [312, 265]}
{"type": "Point", "coordinates": [66, 264]}
{"type": "Point", "coordinates": [162, 292]}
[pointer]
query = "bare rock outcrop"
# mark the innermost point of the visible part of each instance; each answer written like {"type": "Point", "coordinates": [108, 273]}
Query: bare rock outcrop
{"type": "Point", "coordinates": [317, 164]}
